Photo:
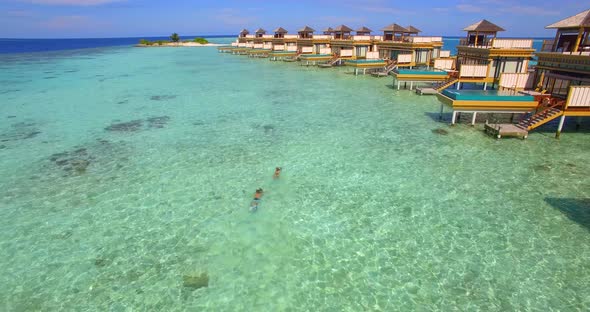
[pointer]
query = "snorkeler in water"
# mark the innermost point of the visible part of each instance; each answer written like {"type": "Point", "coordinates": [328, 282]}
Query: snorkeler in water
{"type": "Point", "coordinates": [257, 196]}
{"type": "Point", "coordinates": [277, 173]}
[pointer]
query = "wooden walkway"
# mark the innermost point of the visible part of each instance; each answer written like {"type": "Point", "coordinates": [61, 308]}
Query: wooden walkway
{"type": "Point", "coordinates": [506, 130]}
{"type": "Point", "coordinates": [422, 91]}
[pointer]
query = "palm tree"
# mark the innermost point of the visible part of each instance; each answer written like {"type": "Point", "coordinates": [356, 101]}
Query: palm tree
{"type": "Point", "coordinates": [174, 37]}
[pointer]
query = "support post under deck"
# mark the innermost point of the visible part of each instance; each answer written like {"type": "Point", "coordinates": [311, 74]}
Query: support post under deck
{"type": "Point", "coordinates": [473, 118]}
{"type": "Point", "coordinates": [454, 118]}
{"type": "Point", "coordinates": [561, 121]}
{"type": "Point", "coordinates": [442, 107]}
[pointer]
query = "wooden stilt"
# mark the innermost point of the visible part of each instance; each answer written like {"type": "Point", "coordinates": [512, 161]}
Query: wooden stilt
{"type": "Point", "coordinates": [578, 122]}
{"type": "Point", "coordinates": [458, 85]}
{"type": "Point", "coordinates": [561, 122]}
{"type": "Point", "coordinates": [411, 85]}
{"type": "Point", "coordinates": [454, 118]}
{"type": "Point", "coordinates": [473, 118]}
{"type": "Point", "coordinates": [485, 86]}
{"type": "Point", "coordinates": [398, 84]}
{"type": "Point", "coordinates": [440, 115]}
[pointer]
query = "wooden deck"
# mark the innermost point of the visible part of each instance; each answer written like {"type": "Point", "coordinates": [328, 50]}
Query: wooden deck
{"type": "Point", "coordinates": [426, 90]}
{"type": "Point", "coordinates": [505, 130]}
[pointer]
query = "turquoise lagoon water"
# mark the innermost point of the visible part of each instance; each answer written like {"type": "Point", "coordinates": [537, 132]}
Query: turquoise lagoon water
{"type": "Point", "coordinates": [125, 171]}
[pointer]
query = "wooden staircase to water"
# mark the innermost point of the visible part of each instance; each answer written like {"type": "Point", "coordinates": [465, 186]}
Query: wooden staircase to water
{"type": "Point", "coordinates": [554, 110]}
{"type": "Point", "coordinates": [447, 83]}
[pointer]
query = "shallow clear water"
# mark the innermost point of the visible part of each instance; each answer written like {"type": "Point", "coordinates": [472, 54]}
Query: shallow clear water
{"type": "Point", "coordinates": [374, 210]}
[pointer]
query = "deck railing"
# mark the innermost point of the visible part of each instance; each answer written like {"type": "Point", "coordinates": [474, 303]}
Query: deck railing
{"type": "Point", "coordinates": [496, 43]}
{"type": "Point", "coordinates": [258, 46]}
{"type": "Point", "coordinates": [267, 46]}
{"type": "Point", "coordinates": [306, 49]}
{"type": "Point", "coordinates": [444, 54]}
{"type": "Point", "coordinates": [444, 64]}
{"type": "Point", "coordinates": [372, 55]}
{"type": "Point", "coordinates": [424, 39]}
{"type": "Point", "coordinates": [291, 36]}
{"type": "Point", "coordinates": [346, 52]}
{"type": "Point", "coordinates": [325, 51]}
{"type": "Point", "coordinates": [249, 36]}
{"type": "Point", "coordinates": [517, 81]}
{"type": "Point", "coordinates": [579, 96]}
{"type": "Point", "coordinates": [512, 43]}
{"type": "Point", "coordinates": [404, 58]}
{"type": "Point", "coordinates": [291, 48]}
{"type": "Point", "coordinates": [361, 38]}
{"type": "Point", "coordinates": [328, 37]}
{"type": "Point", "coordinates": [268, 36]}
{"type": "Point", "coordinates": [476, 71]}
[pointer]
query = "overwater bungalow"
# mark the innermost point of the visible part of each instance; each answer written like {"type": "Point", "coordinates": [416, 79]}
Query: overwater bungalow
{"type": "Point", "coordinates": [284, 46]}
{"type": "Point", "coordinates": [243, 44]}
{"type": "Point", "coordinates": [347, 46]}
{"type": "Point", "coordinates": [484, 59]}
{"type": "Point", "coordinates": [563, 71]}
{"type": "Point", "coordinates": [402, 46]}
{"type": "Point", "coordinates": [262, 44]}
{"type": "Point", "coordinates": [313, 49]}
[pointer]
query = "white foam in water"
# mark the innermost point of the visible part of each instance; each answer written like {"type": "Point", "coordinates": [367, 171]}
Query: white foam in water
{"type": "Point", "coordinates": [373, 210]}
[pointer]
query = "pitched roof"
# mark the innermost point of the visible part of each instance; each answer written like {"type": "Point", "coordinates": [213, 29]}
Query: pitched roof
{"type": "Point", "coordinates": [244, 32]}
{"type": "Point", "coordinates": [343, 28]}
{"type": "Point", "coordinates": [413, 30]}
{"type": "Point", "coordinates": [395, 28]}
{"type": "Point", "coordinates": [260, 30]}
{"type": "Point", "coordinates": [329, 29]}
{"type": "Point", "coordinates": [581, 19]}
{"type": "Point", "coordinates": [483, 25]}
{"type": "Point", "coordinates": [281, 30]}
{"type": "Point", "coordinates": [306, 29]}
{"type": "Point", "coordinates": [363, 29]}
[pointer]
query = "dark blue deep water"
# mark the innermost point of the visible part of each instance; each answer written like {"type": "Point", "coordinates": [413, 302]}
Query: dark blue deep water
{"type": "Point", "coordinates": [42, 45]}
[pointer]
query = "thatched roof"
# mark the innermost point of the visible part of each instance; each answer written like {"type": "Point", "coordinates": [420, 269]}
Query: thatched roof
{"type": "Point", "coordinates": [244, 32]}
{"type": "Point", "coordinates": [343, 28]}
{"type": "Point", "coordinates": [260, 31]}
{"type": "Point", "coordinates": [413, 30]}
{"type": "Point", "coordinates": [364, 30]}
{"type": "Point", "coordinates": [579, 20]}
{"type": "Point", "coordinates": [306, 29]}
{"type": "Point", "coordinates": [281, 30]}
{"type": "Point", "coordinates": [329, 29]}
{"type": "Point", "coordinates": [395, 28]}
{"type": "Point", "coordinates": [484, 26]}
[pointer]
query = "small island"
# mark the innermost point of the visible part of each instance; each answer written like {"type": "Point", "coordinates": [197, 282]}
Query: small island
{"type": "Point", "coordinates": [176, 42]}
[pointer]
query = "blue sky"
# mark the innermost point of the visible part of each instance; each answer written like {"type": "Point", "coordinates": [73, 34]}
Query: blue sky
{"type": "Point", "coordinates": [137, 18]}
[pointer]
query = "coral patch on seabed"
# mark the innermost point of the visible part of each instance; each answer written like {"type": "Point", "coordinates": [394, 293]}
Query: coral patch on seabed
{"type": "Point", "coordinates": [129, 126]}
{"type": "Point", "coordinates": [20, 131]}
{"type": "Point", "coordinates": [196, 281]}
{"type": "Point", "coordinates": [157, 122]}
{"type": "Point", "coordinates": [74, 162]}
{"type": "Point", "coordinates": [162, 97]}
{"type": "Point", "coordinates": [440, 131]}
{"type": "Point", "coordinates": [137, 125]}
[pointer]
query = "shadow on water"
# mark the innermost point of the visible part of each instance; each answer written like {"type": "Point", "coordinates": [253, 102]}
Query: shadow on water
{"type": "Point", "coordinates": [576, 209]}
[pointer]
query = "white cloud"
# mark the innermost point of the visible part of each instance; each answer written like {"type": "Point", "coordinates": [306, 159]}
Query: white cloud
{"type": "Point", "coordinates": [20, 13]}
{"type": "Point", "coordinates": [72, 22]}
{"type": "Point", "coordinates": [73, 2]}
{"type": "Point", "coordinates": [529, 10]}
{"type": "Point", "coordinates": [232, 17]}
{"type": "Point", "coordinates": [469, 8]}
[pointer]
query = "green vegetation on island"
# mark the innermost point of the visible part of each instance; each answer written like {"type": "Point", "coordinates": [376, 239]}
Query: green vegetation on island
{"type": "Point", "coordinates": [174, 38]}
